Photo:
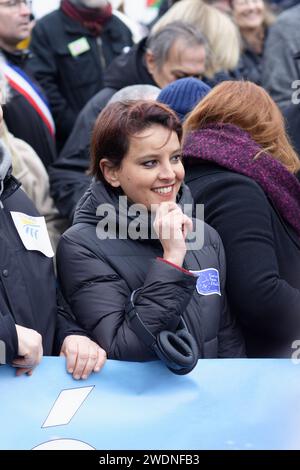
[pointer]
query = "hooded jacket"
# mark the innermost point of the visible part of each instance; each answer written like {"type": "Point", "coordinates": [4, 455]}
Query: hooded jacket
{"type": "Point", "coordinates": [98, 276]}
{"type": "Point", "coordinates": [27, 282]}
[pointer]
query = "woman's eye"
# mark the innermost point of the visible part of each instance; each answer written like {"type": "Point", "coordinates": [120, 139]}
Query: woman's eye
{"type": "Point", "coordinates": [149, 163]}
{"type": "Point", "coordinates": [176, 158]}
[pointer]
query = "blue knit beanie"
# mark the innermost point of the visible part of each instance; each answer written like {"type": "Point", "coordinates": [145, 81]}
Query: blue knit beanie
{"type": "Point", "coordinates": [183, 95]}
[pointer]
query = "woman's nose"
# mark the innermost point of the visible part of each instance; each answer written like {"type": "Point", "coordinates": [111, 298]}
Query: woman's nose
{"type": "Point", "coordinates": [166, 172]}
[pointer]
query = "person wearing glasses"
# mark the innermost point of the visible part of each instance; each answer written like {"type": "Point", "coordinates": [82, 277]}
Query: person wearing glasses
{"type": "Point", "coordinates": [27, 115]}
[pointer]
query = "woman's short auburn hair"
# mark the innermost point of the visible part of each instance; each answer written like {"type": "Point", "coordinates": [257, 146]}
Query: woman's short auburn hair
{"type": "Point", "coordinates": [249, 107]}
{"type": "Point", "coordinates": [120, 121]}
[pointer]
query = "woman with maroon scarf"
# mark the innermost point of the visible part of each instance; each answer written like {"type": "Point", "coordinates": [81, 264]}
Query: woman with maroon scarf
{"type": "Point", "coordinates": [242, 167]}
{"type": "Point", "coordinates": [71, 48]}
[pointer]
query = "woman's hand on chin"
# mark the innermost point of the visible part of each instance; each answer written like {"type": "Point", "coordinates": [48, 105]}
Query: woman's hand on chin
{"type": "Point", "coordinates": [172, 226]}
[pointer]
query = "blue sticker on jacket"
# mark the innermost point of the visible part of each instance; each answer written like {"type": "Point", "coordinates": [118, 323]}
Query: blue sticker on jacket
{"type": "Point", "coordinates": [208, 282]}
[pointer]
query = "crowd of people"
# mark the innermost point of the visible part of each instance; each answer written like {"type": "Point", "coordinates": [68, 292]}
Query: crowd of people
{"type": "Point", "coordinates": [149, 183]}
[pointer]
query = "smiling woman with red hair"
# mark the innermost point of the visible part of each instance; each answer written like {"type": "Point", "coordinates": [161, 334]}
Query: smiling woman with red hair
{"type": "Point", "coordinates": [243, 168]}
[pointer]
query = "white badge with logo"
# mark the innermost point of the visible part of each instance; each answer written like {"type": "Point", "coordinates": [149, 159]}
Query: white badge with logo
{"type": "Point", "coordinates": [208, 282]}
{"type": "Point", "coordinates": [33, 233]}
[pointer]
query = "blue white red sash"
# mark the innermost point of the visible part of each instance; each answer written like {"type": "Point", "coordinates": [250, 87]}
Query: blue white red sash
{"type": "Point", "coordinates": [19, 81]}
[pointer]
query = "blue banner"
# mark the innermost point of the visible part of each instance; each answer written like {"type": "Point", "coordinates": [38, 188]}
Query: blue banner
{"type": "Point", "coordinates": [223, 404]}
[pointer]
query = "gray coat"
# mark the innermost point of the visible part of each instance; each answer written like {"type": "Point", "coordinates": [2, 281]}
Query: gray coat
{"type": "Point", "coordinates": [281, 64]}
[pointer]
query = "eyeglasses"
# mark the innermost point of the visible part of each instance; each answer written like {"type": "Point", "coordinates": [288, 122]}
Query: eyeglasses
{"type": "Point", "coordinates": [16, 3]}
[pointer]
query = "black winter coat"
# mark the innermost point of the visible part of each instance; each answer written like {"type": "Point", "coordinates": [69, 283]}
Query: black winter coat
{"type": "Point", "coordinates": [98, 276]}
{"type": "Point", "coordinates": [262, 254]}
{"type": "Point", "coordinates": [27, 283]}
{"type": "Point", "coordinates": [68, 81]}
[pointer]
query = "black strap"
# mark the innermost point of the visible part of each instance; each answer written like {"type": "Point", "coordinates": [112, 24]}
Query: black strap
{"type": "Point", "coordinates": [137, 324]}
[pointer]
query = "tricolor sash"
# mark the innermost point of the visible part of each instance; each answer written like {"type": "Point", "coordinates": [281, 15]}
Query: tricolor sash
{"type": "Point", "coordinates": [19, 81]}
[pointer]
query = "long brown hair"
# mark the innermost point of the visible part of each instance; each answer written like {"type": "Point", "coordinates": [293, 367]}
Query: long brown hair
{"type": "Point", "coordinates": [249, 107]}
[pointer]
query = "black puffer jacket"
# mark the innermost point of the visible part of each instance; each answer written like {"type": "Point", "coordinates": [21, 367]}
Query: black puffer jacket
{"type": "Point", "coordinates": [98, 276]}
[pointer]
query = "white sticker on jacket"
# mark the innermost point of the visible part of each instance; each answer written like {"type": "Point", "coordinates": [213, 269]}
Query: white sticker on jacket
{"type": "Point", "coordinates": [208, 282]}
{"type": "Point", "coordinates": [79, 46]}
{"type": "Point", "coordinates": [33, 233]}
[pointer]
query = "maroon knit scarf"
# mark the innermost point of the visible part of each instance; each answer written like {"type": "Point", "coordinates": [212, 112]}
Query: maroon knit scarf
{"type": "Point", "coordinates": [233, 148]}
{"type": "Point", "coordinates": [93, 19]}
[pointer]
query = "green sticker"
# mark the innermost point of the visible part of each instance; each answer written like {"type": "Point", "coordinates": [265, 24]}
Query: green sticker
{"type": "Point", "coordinates": [78, 47]}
